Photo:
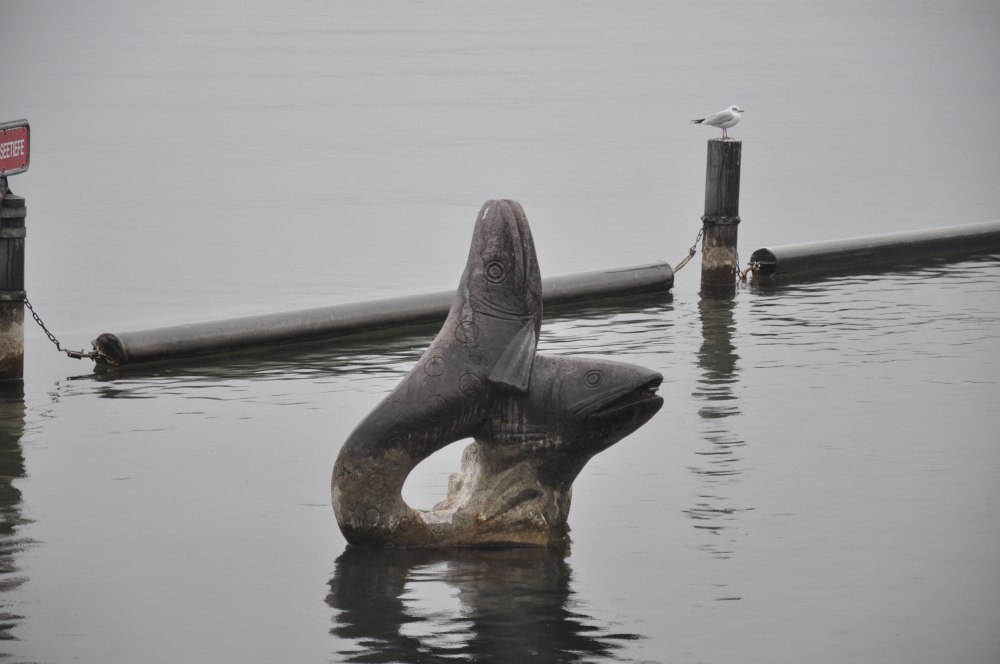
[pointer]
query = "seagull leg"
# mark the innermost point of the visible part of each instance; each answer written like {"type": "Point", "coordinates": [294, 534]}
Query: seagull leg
{"type": "Point", "coordinates": [724, 134]}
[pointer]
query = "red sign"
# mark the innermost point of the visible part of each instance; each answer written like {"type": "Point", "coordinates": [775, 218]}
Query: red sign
{"type": "Point", "coordinates": [15, 141]}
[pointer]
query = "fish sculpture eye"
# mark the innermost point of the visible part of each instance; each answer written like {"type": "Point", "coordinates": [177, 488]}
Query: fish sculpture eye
{"type": "Point", "coordinates": [495, 272]}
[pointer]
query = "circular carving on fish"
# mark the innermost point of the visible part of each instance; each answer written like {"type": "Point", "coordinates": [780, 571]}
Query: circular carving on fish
{"type": "Point", "coordinates": [434, 366]}
{"type": "Point", "coordinates": [435, 408]}
{"type": "Point", "coordinates": [593, 378]}
{"type": "Point", "coordinates": [376, 482]}
{"type": "Point", "coordinates": [372, 516]}
{"type": "Point", "coordinates": [470, 385]}
{"type": "Point", "coordinates": [495, 272]}
{"type": "Point", "coordinates": [466, 332]}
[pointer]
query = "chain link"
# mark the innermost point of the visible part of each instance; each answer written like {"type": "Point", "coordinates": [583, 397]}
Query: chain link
{"type": "Point", "coordinates": [76, 354]}
{"type": "Point", "coordinates": [691, 252]}
{"type": "Point", "coordinates": [38, 320]}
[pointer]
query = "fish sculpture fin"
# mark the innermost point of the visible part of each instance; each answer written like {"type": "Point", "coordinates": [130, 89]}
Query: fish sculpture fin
{"type": "Point", "coordinates": [513, 369]}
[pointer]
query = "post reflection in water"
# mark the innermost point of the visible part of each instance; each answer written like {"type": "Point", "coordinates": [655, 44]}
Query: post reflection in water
{"type": "Point", "coordinates": [502, 605]}
{"type": "Point", "coordinates": [11, 468]}
{"type": "Point", "coordinates": [719, 466]}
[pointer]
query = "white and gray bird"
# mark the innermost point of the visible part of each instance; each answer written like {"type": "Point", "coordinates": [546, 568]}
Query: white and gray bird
{"type": "Point", "coordinates": [723, 119]}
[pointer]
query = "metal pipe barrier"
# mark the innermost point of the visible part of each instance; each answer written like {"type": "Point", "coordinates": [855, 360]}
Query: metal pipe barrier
{"type": "Point", "coordinates": [274, 329]}
{"type": "Point", "coordinates": [852, 254]}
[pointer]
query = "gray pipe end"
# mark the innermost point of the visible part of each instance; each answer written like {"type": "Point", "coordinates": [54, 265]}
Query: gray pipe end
{"type": "Point", "coordinates": [766, 261]}
{"type": "Point", "coordinates": [110, 349]}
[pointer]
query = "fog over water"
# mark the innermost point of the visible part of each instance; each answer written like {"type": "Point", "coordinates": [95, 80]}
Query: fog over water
{"type": "Point", "coordinates": [821, 484]}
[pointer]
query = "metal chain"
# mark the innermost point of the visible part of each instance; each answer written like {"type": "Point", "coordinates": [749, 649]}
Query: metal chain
{"type": "Point", "coordinates": [38, 320]}
{"type": "Point", "coordinates": [76, 354]}
{"type": "Point", "coordinates": [691, 252]}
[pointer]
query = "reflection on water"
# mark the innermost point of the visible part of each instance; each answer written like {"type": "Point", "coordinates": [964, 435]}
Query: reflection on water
{"type": "Point", "coordinates": [373, 356]}
{"type": "Point", "coordinates": [11, 469]}
{"type": "Point", "coordinates": [368, 363]}
{"type": "Point", "coordinates": [482, 605]}
{"type": "Point", "coordinates": [719, 463]}
{"type": "Point", "coordinates": [625, 325]}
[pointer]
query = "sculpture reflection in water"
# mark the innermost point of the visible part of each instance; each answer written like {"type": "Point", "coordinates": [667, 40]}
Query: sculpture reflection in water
{"type": "Point", "coordinates": [509, 605]}
{"type": "Point", "coordinates": [535, 420]}
{"type": "Point", "coordinates": [11, 468]}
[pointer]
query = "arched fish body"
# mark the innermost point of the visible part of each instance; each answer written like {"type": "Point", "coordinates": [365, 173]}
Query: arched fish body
{"type": "Point", "coordinates": [535, 420]}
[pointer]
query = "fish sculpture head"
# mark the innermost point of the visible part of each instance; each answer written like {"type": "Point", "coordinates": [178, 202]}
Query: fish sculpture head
{"type": "Point", "coordinates": [599, 402]}
{"type": "Point", "coordinates": [574, 408]}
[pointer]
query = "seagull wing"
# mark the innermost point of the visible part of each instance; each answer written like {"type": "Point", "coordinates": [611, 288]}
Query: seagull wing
{"type": "Point", "coordinates": [716, 119]}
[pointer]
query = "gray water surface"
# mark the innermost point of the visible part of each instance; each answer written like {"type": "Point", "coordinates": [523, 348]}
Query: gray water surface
{"type": "Point", "coordinates": [821, 484]}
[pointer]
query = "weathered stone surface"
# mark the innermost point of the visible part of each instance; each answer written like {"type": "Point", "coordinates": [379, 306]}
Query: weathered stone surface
{"type": "Point", "coordinates": [535, 420]}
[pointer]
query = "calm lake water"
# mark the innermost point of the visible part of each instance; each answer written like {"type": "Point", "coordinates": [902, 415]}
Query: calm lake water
{"type": "Point", "coordinates": [820, 486]}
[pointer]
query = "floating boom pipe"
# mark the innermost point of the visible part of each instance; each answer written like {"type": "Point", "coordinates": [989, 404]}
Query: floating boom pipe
{"type": "Point", "coordinates": [195, 339]}
{"type": "Point", "coordinates": [838, 256]}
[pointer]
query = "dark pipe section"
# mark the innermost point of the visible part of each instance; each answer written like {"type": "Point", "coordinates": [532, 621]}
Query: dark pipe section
{"type": "Point", "coordinates": [852, 254]}
{"type": "Point", "coordinates": [398, 313]}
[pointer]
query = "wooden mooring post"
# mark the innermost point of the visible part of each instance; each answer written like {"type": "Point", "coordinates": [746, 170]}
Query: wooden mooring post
{"type": "Point", "coordinates": [12, 214]}
{"type": "Point", "coordinates": [15, 142]}
{"type": "Point", "coordinates": [719, 258]}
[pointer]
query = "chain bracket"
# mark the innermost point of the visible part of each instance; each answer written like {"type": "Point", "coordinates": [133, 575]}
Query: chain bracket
{"type": "Point", "coordinates": [752, 269]}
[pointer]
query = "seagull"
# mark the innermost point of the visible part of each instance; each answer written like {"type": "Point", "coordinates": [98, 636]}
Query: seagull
{"type": "Point", "coordinates": [723, 119]}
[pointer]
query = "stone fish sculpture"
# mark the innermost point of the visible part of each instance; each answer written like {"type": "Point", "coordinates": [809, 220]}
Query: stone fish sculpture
{"type": "Point", "coordinates": [535, 420]}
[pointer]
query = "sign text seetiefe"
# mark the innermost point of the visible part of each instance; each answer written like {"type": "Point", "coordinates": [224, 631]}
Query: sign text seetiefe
{"type": "Point", "coordinates": [15, 147]}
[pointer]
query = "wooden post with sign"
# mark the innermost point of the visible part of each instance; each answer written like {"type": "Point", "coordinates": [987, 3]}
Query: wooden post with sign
{"type": "Point", "coordinates": [14, 156]}
{"type": "Point", "coordinates": [719, 261]}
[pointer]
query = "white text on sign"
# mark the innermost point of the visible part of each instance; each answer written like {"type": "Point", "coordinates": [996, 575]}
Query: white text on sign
{"type": "Point", "coordinates": [12, 149]}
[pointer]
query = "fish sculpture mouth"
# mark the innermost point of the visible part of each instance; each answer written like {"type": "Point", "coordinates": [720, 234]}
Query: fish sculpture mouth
{"type": "Point", "coordinates": [644, 397]}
